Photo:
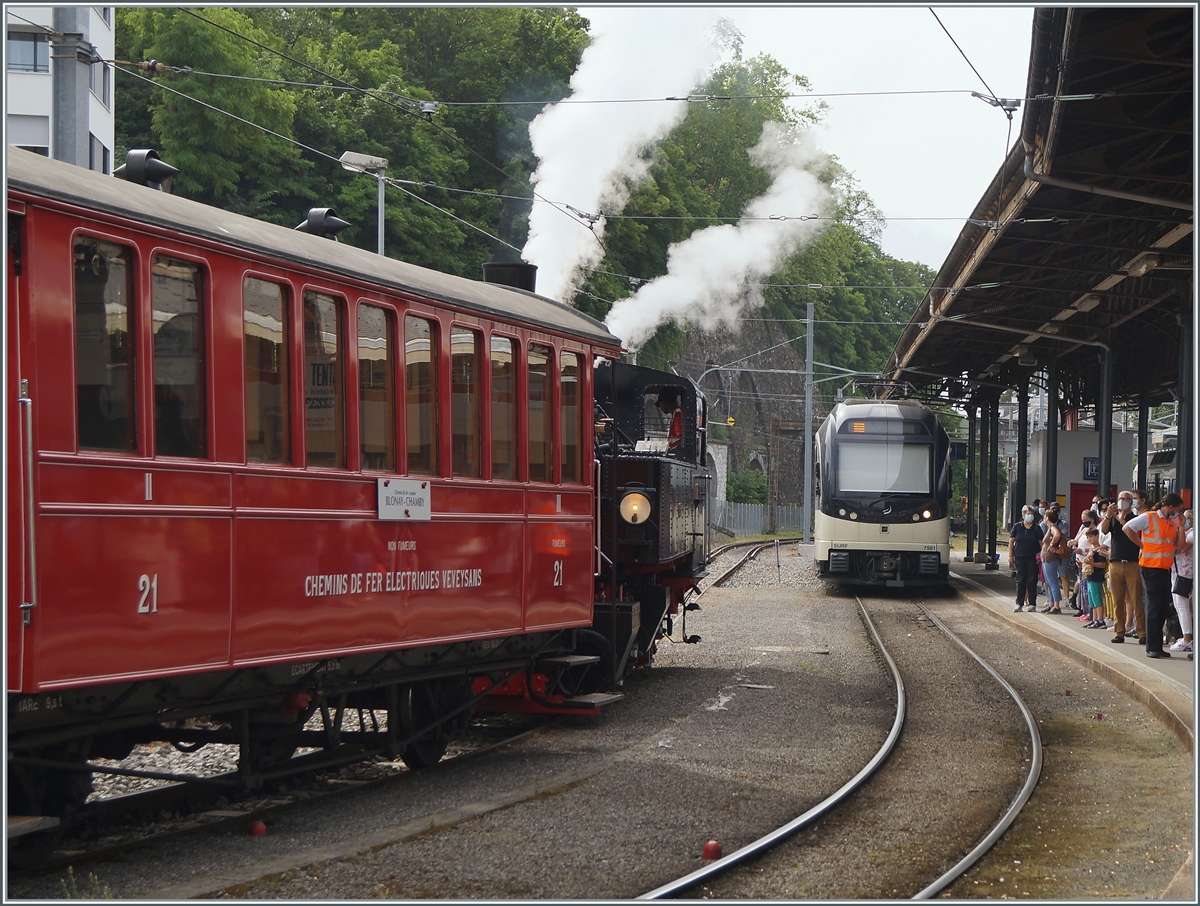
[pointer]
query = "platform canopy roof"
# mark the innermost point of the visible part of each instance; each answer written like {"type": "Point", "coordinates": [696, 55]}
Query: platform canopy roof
{"type": "Point", "coordinates": [1084, 238]}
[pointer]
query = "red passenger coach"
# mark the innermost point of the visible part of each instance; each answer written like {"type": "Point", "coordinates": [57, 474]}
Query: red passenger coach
{"type": "Point", "coordinates": [256, 474]}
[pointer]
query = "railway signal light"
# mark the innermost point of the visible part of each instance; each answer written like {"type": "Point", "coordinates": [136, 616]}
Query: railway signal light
{"type": "Point", "coordinates": [145, 168]}
{"type": "Point", "coordinates": [322, 222]}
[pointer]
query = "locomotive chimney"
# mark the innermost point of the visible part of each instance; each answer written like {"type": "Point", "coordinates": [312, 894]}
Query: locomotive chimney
{"type": "Point", "coordinates": [511, 273]}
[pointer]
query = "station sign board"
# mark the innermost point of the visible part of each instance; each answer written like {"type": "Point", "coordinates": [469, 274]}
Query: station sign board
{"type": "Point", "coordinates": [404, 500]}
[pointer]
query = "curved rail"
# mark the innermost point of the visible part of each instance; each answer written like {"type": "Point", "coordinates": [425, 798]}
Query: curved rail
{"type": "Point", "coordinates": [756, 548]}
{"type": "Point", "coordinates": [1014, 809]}
{"type": "Point", "coordinates": [761, 845]}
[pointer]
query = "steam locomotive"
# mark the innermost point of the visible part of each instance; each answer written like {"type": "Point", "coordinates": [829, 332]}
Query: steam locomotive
{"type": "Point", "coordinates": [257, 477]}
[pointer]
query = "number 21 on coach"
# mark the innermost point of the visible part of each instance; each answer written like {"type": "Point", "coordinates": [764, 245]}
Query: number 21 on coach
{"type": "Point", "coordinates": [148, 586]}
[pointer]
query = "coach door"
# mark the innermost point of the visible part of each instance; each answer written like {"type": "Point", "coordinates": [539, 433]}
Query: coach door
{"type": "Point", "coordinates": [133, 521]}
{"type": "Point", "coordinates": [19, 415]}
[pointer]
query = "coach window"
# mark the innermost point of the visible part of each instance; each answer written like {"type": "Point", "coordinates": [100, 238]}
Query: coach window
{"type": "Point", "coordinates": [324, 405]}
{"type": "Point", "coordinates": [420, 393]}
{"type": "Point", "coordinates": [179, 360]}
{"type": "Point", "coordinates": [104, 361]}
{"type": "Point", "coordinates": [540, 459]}
{"type": "Point", "coordinates": [268, 409]}
{"type": "Point", "coordinates": [465, 402]}
{"type": "Point", "coordinates": [504, 408]}
{"type": "Point", "coordinates": [569, 416]}
{"type": "Point", "coordinates": [375, 404]}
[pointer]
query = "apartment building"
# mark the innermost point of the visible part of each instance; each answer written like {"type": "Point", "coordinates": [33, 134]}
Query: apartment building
{"type": "Point", "coordinates": [31, 112]}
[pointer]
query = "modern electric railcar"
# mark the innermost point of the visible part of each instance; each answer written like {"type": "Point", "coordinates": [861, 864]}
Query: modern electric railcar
{"type": "Point", "coordinates": [882, 490]}
{"type": "Point", "coordinates": [256, 476]}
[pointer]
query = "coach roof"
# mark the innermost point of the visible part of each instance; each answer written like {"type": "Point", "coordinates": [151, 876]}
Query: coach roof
{"type": "Point", "coordinates": [37, 175]}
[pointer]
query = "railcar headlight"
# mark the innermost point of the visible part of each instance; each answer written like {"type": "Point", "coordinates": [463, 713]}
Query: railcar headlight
{"type": "Point", "coordinates": [854, 515]}
{"type": "Point", "coordinates": [928, 514]}
{"type": "Point", "coordinates": [635, 507]}
{"type": "Point", "coordinates": [916, 517]}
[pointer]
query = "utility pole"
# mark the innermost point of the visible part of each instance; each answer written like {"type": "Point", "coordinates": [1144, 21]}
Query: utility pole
{"type": "Point", "coordinates": [808, 438]}
{"type": "Point", "coordinates": [72, 55]}
{"type": "Point", "coordinates": [773, 484]}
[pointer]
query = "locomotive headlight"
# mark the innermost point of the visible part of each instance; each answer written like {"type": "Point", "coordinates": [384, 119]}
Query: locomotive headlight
{"type": "Point", "coordinates": [916, 516]}
{"type": "Point", "coordinates": [635, 507]}
{"type": "Point", "coordinates": [842, 511]}
{"type": "Point", "coordinates": [854, 515]}
{"type": "Point", "coordinates": [928, 514]}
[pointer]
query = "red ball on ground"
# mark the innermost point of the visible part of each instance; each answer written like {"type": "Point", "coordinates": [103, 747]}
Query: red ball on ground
{"type": "Point", "coordinates": [712, 850]}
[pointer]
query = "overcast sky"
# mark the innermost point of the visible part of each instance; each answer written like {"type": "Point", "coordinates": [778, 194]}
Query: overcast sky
{"type": "Point", "coordinates": [918, 156]}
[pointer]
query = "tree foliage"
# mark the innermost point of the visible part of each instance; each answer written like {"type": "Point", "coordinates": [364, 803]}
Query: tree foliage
{"type": "Point", "coordinates": [353, 79]}
{"type": "Point", "coordinates": [747, 486]}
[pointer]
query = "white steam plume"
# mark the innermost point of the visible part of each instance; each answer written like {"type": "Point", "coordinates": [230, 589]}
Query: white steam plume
{"type": "Point", "coordinates": [586, 152]}
{"type": "Point", "coordinates": [707, 273]}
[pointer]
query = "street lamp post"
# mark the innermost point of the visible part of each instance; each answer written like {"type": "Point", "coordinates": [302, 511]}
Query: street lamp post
{"type": "Point", "coordinates": [362, 163]}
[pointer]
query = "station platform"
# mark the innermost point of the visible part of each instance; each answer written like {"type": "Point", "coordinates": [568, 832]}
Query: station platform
{"type": "Point", "coordinates": [1166, 686]}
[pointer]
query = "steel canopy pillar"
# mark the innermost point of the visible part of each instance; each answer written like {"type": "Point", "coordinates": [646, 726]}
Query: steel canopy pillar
{"type": "Point", "coordinates": [1143, 440]}
{"type": "Point", "coordinates": [1019, 495]}
{"type": "Point", "coordinates": [993, 479]}
{"type": "Point", "coordinates": [1104, 405]}
{"type": "Point", "coordinates": [971, 406]}
{"type": "Point", "coordinates": [1051, 492]}
{"type": "Point", "coordinates": [985, 471]}
{"type": "Point", "coordinates": [1184, 452]}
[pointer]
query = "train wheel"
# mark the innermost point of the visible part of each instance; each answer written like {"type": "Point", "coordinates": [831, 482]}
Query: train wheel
{"type": "Point", "coordinates": [423, 707]}
{"type": "Point", "coordinates": [273, 744]}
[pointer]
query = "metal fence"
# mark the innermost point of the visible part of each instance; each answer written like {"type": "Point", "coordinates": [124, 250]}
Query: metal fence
{"type": "Point", "coordinates": [740, 519]}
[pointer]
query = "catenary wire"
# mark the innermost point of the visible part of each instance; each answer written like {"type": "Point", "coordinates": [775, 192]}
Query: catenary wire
{"type": "Point", "coordinates": [386, 180]}
{"type": "Point", "coordinates": [407, 111]}
{"type": "Point", "coordinates": [964, 56]}
{"type": "Point", "coordinates": [1101, 95]}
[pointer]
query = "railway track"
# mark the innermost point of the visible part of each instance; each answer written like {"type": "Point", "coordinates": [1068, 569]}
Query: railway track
{"type": "Point", "coordinates": [843, 795]}
{"type": "Point", "coordinates": [118, 824]}
{"type": "Point", "coordinates": [719, 878]}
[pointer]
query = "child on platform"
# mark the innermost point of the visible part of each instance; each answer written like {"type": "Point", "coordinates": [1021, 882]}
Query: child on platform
{"type": "Point", "coordinates": [1095, 561]}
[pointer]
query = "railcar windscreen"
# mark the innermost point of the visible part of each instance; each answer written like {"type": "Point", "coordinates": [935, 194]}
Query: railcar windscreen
{"type": "Point", "coordinates": [888, 467]}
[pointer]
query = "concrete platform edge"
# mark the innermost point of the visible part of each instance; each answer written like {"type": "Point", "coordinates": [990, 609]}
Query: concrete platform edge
{"type": "Point", "coordinates": [1169, 706]}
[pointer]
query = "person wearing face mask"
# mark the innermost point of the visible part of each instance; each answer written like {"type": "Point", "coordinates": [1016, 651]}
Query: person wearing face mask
{"type": "Point", "coordinates": [1124, 576]}
{"type": "Point", "coordinates": [1078, 596]}
{"type": "Point", "coordinates": [1054, 550]}
{"type": "Point", "coordinates": [1039, 516]}
{"type": "Point", "coordinates": [1024, 544]}
{"type": "Point", "coordinates": [1156, 536]}
{"type": "Point", "coordinates": [1181, 583]}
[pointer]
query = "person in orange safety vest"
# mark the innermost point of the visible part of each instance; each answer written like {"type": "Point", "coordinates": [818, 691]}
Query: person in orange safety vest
{"type": "Point", "coordinates": [1154, 532]}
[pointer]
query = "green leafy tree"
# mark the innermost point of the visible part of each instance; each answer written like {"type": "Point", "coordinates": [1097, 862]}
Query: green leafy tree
{"type": "Point", "coordinates": [222, 161]}
{"type": "Point", "coordinates": [747, 486]}
{"type": "Point", "coordinates": [469, 59]}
